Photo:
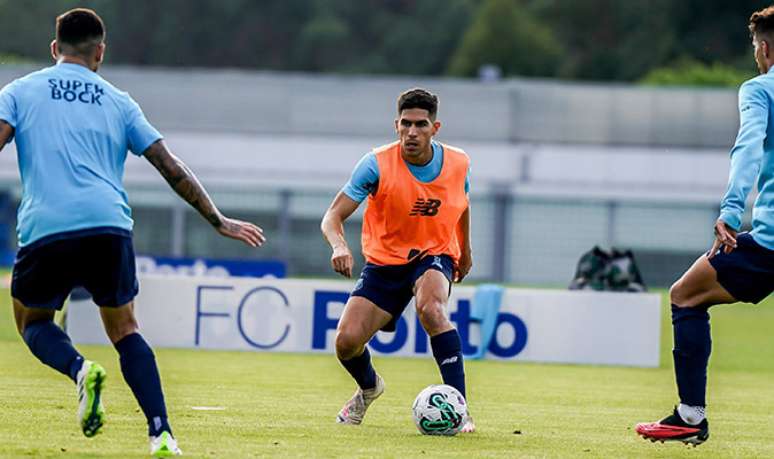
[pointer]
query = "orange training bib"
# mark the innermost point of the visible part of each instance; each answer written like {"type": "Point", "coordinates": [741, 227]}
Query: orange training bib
{"type": "Point", "coordinates": [406, 218]}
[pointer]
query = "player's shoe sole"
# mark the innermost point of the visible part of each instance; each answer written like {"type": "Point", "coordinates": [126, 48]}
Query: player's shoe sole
{"type": "Point", "coordinates": [90, 382]}
{"type": "Point", "coordinates": [672, 428]}
{"type": "Point", "coordinates": [354, 410]}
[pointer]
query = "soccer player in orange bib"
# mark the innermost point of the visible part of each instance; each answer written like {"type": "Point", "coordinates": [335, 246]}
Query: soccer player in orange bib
{"type": "Point", "coordinates": [416, 241]}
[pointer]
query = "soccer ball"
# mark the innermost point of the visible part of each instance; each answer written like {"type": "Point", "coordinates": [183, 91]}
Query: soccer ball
{"type": "Point", "coordinates": [440, 410]}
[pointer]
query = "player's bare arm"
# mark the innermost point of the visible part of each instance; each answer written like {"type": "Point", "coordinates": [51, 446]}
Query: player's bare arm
{"type": "Point", "coordinates": [187, 186]}
{"type": "Point", "coordinates": [332, 227]}
{"type": "Point", "coordinates": [466, 256]}
{"type": "Point", "coordinates": [6, 131]}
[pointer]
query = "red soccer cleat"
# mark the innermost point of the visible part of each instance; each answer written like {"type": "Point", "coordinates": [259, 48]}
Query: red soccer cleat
{"type": "Point", "coordinates": [673, 428]}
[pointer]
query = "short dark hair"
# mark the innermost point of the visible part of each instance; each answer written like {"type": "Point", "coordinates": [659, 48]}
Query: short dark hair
{"type": "Point", "coordinates": [80, 29]}
{"type": "Point", "coordinates": [418, 98]}
{"type": "Point", "coordinates": [762, 22]}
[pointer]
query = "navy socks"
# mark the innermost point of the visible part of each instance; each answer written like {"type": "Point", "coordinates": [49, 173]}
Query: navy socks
{"type": "Point", "coordinates": [138, 364]}
{"type": "Point", "coordinates": [361, 369]}
{"type": "Point", "coordinates": [693, 345]}
{"type": "Point", "coordinates": [51, 345]}
{"type": "Point", "coordinates": [447, 350]}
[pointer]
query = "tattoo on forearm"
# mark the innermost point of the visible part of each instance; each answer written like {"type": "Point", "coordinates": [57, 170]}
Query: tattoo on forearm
{"type": "Point", "coordinates": [184, 182]}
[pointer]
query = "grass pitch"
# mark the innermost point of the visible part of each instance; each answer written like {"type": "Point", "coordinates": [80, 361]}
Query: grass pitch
{"type": "Point", "coordinates": [284, 405]}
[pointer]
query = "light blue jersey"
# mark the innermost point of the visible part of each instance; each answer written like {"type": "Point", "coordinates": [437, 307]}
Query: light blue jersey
{"type": "Point", "coordinates": [72, 131]}
{"type": "Point", "coordinates": [752, 159]}
{"type": "Point", "coordinates": [365, 177]}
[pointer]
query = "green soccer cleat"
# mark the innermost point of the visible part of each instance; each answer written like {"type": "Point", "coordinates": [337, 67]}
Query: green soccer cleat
{"type": "Point", "coordinates": [90, 382]}
{"type": "Point", "coordinates": [164, 445]}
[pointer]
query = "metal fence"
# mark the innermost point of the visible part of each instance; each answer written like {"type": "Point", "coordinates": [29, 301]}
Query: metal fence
{"type": "Point", "coordinates": [524, 240]}
{"type": "Point", "coordinates": [516, 239]}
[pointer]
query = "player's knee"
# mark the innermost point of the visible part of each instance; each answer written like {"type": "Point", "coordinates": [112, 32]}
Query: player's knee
{"type": "Point", "coordinates": [347, 344]}
{"type": "Point", "coordinates": [432, 315]}
{"type": "Point", "coordinates": [674, 293]}
{"type": "Point", "coordinates": [678, 295]}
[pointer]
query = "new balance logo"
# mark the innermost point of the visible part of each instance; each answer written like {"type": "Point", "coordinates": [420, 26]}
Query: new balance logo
{"type": "Point", "coordinates": [437, 262]}
{"type": "Point", "coordinates": [450, 360]}
{"type": "Point", "coordinates": [425, 207]}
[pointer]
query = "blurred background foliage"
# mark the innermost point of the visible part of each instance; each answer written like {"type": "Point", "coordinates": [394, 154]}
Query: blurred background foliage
{"type": "Point", "coordinates": [690, 72]}
{"type": "Point", "coordinates": [660, 42]}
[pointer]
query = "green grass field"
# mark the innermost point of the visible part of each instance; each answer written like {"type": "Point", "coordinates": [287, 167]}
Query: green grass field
{"type": "Point", "coordinates": [284, 405]}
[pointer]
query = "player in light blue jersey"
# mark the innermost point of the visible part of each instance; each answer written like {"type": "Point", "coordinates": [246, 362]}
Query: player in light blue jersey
{"type": "Point", "coordinates": [739, 266]}
{"type": "Point", "coordinates": [72, 131]}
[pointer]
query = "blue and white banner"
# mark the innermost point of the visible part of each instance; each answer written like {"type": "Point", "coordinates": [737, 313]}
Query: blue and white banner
{"type": "Point", "coordinates": [289, 315]}
{"type": "Point", "coordinates": [204, 267]}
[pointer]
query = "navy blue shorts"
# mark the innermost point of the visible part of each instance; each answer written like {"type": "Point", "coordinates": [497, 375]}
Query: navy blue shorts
{"type": "Point", "coordinates": [392, 287]}
{"type": "Point", "coordinates": [101, 260]}
{"type": "Point", "coordinates": [747, 273]}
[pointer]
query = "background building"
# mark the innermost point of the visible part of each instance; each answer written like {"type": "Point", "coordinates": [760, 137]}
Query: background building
{"type": "Point", "coordinates": [557, 167]}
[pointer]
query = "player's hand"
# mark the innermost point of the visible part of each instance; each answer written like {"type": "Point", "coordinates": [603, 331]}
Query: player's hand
{"type": "Point", "coordinates": [725, 237]}
{"type": "Point", "coordinates": [242, 231]}
{"type": "Point", "coordinates": [463, 267]}
{"type": "Point", "coordinates": [342, 261]}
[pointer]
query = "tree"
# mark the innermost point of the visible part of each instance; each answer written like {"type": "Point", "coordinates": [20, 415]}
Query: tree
{"type": "Point", "coordinates": [505, 34]}
{"type": "Point", "coordinates": [690, 72]}
{"type": "Point", "coordinates": [610, 39]}
{"type": "Point", "coordinates": [376, 36]}
{"type": "Point", "coordinates": [714, 30]}
{"type": "Point", "coordinates": [322, 43]}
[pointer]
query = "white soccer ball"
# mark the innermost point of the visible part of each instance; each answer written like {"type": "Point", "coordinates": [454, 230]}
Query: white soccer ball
{"type": "Point", "coordinates": [440, 410]}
